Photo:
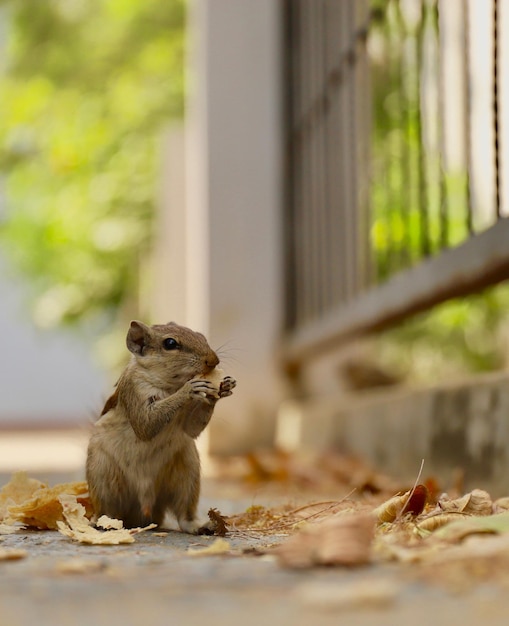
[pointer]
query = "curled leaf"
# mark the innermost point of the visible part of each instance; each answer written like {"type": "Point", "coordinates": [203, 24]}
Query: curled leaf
{"type": "Point", "coordinates": [412, 502]}
{"type": "Point", "coordinates": [435, 522]}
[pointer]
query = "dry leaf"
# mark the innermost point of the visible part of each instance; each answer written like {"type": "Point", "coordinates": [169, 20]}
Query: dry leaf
{"type": "Point", "coordinates": [500, 505]}
{"type": "Point", "coordinates": [12, 554]}
{"type": "Point", "coordinates": [108, 523]}
{"type": "Point", "coordinates": [43, 509]}
{"type": "Point", "coordinates": [412, 502]}
{"type": "Point", "coordinates": [490, 524]}
{"type": "Point", "coordinates": [78, 527]}
{"type": "Point", "coordinates": [17, 490]}
{"type": "Point", "coordinates": [7, 529]}
{"type": "Point", "coordinates": [220, 546]}
{"type": "Point", "coordinates": [218, 521]}
{"type": "Point", "coordinates": [477, 502]}
{"type": "Point", "coordinates": [435, 522]}
{"type": "Point", "coordinates": [342, 540]}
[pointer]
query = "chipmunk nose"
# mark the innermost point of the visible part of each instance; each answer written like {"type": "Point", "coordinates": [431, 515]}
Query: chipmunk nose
{"type": "Point", "coordinates": [212, 360]}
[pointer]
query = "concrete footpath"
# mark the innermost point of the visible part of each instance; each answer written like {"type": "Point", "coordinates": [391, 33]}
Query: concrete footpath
{"type": "Point", "coordinates": [155, 581]}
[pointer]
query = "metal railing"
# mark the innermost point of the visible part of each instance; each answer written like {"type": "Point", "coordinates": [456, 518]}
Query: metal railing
{"type": "Point", "coordinates": [395, 180]}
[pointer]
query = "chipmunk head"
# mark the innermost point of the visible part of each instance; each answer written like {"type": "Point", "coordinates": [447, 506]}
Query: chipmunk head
{"type": "Point", "coordinates": [172, 353]}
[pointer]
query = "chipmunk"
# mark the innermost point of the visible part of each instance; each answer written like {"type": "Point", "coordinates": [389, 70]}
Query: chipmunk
{"type": "Point", "coordinates": [142, 460]}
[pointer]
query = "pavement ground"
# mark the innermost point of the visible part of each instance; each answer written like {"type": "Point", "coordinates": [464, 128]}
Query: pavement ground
{"type": "Point", "coordinates": [156, 581]}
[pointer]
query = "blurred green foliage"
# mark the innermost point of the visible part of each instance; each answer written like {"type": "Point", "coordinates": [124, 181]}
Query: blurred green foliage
{"type": "Point", "coordinates": [85, 89]}
{"type": "Point", "coordinates": [420, 205]}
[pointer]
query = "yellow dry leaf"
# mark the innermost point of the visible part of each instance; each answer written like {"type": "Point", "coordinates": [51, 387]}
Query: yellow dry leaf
{"type": "Point", "coordinates": [500, 505]}
{"type": "Point", "coordinates": [435, 522]}
{"type": "Point", "coordinates": [220, 546]}
{"type": "Point", "coordinates": [389, 510]}
{"type": "Point", "coordinates": [43, 509]}
{"type": "Point", "coordinates": [78, 527]}
{"type": "Point", "coordinates": [17, 490]}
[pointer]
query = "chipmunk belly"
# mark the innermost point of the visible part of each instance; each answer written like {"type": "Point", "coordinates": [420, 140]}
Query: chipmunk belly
{"type": "Point", "coordinates": [140, 461]}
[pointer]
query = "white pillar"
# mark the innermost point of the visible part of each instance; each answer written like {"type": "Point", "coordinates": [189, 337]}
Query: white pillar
{"type": "Point", "coordinates": [234, 199]}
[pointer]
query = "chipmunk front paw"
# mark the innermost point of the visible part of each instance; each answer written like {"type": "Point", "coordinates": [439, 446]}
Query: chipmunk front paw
{"type": "Point", "coordinates": [203, 389]}
{"type": "Point", "coordinates": [227, 386]}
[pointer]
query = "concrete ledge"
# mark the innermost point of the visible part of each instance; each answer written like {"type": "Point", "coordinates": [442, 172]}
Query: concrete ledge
{"type": "Point", "coordinates": [464, 425]}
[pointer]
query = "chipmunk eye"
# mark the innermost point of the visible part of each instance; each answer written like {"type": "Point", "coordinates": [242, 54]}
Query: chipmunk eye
{"type": "Point", "coordinates": [170, 344]}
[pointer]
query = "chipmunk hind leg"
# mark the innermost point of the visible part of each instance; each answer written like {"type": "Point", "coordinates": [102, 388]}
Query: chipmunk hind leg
{"type": "Point", "coordinates": [109, 492]}
{"type": "Point", "coordinates": [180, 490]}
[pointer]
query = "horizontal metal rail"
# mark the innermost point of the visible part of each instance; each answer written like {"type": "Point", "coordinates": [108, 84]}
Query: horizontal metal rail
{"type": "Point", "coordinates": [477, 263]}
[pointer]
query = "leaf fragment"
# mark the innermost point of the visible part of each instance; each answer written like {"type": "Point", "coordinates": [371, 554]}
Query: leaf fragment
{"type": "Point", "coordinates": [476, 502]}
{"type": "Point", "coordinates": [79, 528]}
{"type": "Point", "coordinates": [412, 502]}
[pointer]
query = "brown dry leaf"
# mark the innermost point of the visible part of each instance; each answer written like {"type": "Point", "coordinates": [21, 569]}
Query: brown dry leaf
{"type": "Point", "coordinates": [412, 502]}
{"type": "Point", "coordinates": [219, 522]}
{"type": "Point", "coordinates": [220, 546]}
{"type": "Point", "coordinates": [477, 502]}
{"type": "Point", "coordinates": [12, 554]}
{"type": "Point", "coordinates": [19, 489]}
{"type": "Point", "coordinates": [344, 540]}
{"type": "Point", "coordinates": [78, 527]}
{"type": "Point", "coordinates": [43, 509]}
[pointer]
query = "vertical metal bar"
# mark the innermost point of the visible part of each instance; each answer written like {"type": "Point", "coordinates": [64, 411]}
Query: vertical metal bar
{"type": "Point", "coordinates": [319, 126]}
{"type": "Point", "coordinates": [423, 181]}
{"type": "Point", "coordinates": [469, 222]}
{"type": "Point", "coordinates": [443, 199]}
{"type": "Point", "coordinates": [363, 108]}
{"type": "Point", "coordinates": [496, 104]}
{"type": "Point", "coordinates": [290, 43]}
{"type": "Point", "coordinates": [334, 174]}
{"type": "Point", "coordinates": [404, 103]}
{"type": "Point", "coordinates": [313, 207]}
{"type": "Point", "coordinates": [353, 142]}
{"type": "Point", "coordinates": [348, 144]}
{"type": "Point", "coordinates": [341, 171]}
{"type": "Point", "coordinates": [299, 159]}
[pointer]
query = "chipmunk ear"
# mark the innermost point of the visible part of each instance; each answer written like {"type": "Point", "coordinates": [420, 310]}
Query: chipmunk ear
{"type": "Point", "coordinates": [137, 337]}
